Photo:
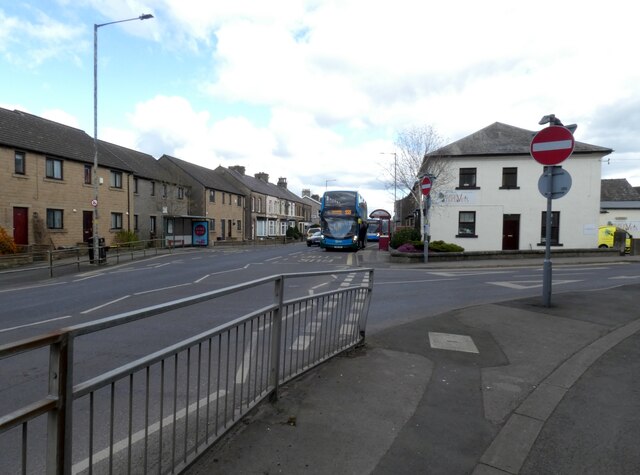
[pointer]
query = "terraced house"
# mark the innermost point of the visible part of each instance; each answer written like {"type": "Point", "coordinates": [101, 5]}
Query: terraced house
{"type": "Point", "coordinates": [46, 185]}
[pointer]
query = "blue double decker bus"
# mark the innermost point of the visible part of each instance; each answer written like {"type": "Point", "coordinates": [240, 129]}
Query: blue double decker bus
{"type": "Point", "coordinates": [340, 212]}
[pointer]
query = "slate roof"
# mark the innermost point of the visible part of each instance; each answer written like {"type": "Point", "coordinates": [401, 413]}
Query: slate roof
{"type": "Point", "coordinates": [618, 189]}
{"type": "Point", "coordinates": [502, 139]}
{"type": "Point", "coordinates": [205, 176]}
{"type": "Point", "coordinates": [263, 187]}
{"type": "Point", "coordinates": [143, 165]}
{"type": "Point", "coordinates": [31, 133]}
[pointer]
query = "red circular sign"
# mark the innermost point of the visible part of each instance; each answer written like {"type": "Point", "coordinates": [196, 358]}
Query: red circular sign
{"type": "Point", "coordinates": [426, 185]}
{"type": "Point", "coordinates": [200, 230]}
{"type": "Point", "coordinates": [552, 145]}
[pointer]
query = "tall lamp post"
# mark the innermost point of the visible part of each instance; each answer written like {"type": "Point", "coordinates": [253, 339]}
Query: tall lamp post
{"type": "Point", "coordinates": [395, 180]}
{"type": "Point", "coordinates": [326, 183]}
{"type": "Point", "coordinates": [146, 16]}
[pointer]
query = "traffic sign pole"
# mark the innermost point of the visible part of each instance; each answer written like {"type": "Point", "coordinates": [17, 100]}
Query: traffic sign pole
{"type": "Point", "coordinates": [547, 266]}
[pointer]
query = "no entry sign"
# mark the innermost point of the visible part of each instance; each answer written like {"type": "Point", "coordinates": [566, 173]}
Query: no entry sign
{"type": "Point", "coordinates": [552, 145]}
{"type": "Point", "coordinates": [425, 185]}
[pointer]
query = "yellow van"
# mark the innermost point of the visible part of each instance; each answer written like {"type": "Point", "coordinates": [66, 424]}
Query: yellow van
{"type": "Point", "coordinates": [605, 237]}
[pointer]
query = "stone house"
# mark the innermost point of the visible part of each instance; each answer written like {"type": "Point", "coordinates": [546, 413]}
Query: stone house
{"type": "Point", "coordinates": [217, 200]}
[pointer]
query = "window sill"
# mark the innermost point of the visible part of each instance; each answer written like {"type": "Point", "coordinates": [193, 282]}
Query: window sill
{"type": "Point", "coordinates": [467, 188]}
{"type": "Point", "coordinates": [553, 244]}
{"type": "Point", "coordinates": [509, 188]}
{"type": "Point", "coordinates": [466, 235]}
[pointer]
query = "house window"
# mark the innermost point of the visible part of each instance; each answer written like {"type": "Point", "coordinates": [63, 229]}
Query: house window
{"type": "Point", "coordinates": [466, 224]}
{"type": "Point", "coordinates": [164, 190]}
{"type": "Point", "coordinates": [239, 200]}
{"type": "Point", "coordinates": [509, 178]}
{"type": "Point", "coordinates": [88, 175]}
{"type": "Point", "coordinates": [224, 198]}
{"type": "Point", "coordinates": [19, 165]}
{"type": "Point", "coordinates": [467, 178]}
{"type": "Point", "coordinates": [239, 225]}
{"type": "Point", "coordinates": [259, 205]}
{"type": "Point", "coordinates": [116, 179]}
{"type": "Point", "coordinates": [135, 185]}
{"type": "Point", "coordinates": [152, 225]}
{"type": "Point", "coordinates": [212, 196]}
{"type": "Point", "coordinates": [54, 168]}
{"type": "Point", "coordinates": [180, 193]}
{"type": "Point", "coordinates": [135, 222]}
{"type": "Point", "coordinates": [253, 204]}
{"type": "Point", "coordinates": [555, 228]}
{"type": "Point", "coordinates": [55, 219]}
{"type": "Point", "coordinates": [153, 188]}
{"type": "Point", "coordinates": [116, 220]}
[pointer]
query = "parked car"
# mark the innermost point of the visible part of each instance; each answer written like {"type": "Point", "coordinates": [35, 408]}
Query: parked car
{"type": "Point", "coordinates": [313, 229]}
{"type": "Point", "coordinates": [605, 237]}
{"type": "Point", "coordinates": [314, 239]}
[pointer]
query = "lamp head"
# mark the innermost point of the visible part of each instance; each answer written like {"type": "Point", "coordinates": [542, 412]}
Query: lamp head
{"type": "Point", "coordinates": [145, 16]}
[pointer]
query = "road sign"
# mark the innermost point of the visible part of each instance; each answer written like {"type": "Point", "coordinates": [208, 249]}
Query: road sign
{"type": "Point", "coordinates": [555, 187]}
{"type": "Point", "coordinates": [425, 185]}
{"type": "Point", "coordinates": [94, 203]}
{"type": "Point", "coordinates": [552, 145]}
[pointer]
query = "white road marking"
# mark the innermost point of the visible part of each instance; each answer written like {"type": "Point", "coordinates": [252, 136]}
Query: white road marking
{"type": "Point", "coordinates": [396, 282]}
{"type": "Point", "coordinates": [33, 324]}
{"type": "Point", "coordinates": [530, 284]}
{"type": "Point", "coordinates": [29, 287]}
{"type": "Point", "coordinates": [104, 305]}
{"type": "Point", "coordinates": [625, 277]}
{"type": "Point", "coordinates": [162, 288]}
{"type": "Point", "coordinates": [140, 435]}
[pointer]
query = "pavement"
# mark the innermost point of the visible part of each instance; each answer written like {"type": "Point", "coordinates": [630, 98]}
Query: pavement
{"type": "Point", "coordinates": [506, 388]}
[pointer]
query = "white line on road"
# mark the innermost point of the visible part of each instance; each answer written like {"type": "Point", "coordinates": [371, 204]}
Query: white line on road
{"type": "Point", "coordinates": [104, 305]}
{"type": "Point", "coordinates": [625, 277]}
{"type": "Point", "coordinates": [33, 324]}
{"type": "Point", "coordinates": [162, 288]}
{"type": "Point", "coordinates": [29, 287]}
{"type": "Point", "coordinates": [140, 435]}
{"type": "Point", "coordinates": [411, 281]}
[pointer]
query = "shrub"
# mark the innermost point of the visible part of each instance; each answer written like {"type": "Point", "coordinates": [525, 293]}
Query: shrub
{"type": "Point", "coordinates": [124, 237]}
{"type": "Point", "coordinates": [293, 233]}
{"type": "Point", "coordinates": [7, 245]}
{"type": "Point", "coordinates": [403, 236]}
{"type": "Point", "coordinates": [441, 246]}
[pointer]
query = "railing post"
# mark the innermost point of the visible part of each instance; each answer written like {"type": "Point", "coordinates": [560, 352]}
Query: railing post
{"type": "Point", "coordinates": [276, 336]}
{"type": "Point", "coordinates": [362, 320]}
{"type": "Point", "coordinates": [59, 424]}
{"type": "Point", "coordinates": [50, 253]}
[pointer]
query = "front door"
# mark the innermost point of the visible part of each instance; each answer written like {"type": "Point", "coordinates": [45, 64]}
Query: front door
{"type": "Point", "coordinates": [87, 225]}
{"type": "Point", "coordinates": [21, 226]}
{"type": "Point", "coordinates": [222, 228]}
{"type": "Point", "coordinates": [510, 232]}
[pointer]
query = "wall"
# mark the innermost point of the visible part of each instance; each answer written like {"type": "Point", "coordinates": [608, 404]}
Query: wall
{"type": "Point", "coordinates": [579, 208]}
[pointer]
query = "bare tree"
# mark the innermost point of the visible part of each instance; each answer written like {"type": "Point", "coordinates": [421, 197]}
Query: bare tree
{"type": "Point", "coordinates": [412, 161]}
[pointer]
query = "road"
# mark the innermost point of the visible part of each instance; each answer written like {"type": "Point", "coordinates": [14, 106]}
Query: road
{"type": "Point", "coordinates": [401, 294]}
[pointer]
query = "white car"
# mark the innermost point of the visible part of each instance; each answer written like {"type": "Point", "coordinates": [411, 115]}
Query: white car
{"type": "Point", "coordinates": [314, 239]}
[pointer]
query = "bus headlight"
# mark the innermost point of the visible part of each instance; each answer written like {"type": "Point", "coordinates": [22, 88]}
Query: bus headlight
{"type": "Point", "coordinates": [355, 238]}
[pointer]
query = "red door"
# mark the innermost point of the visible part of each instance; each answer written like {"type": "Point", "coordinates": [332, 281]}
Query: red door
{"type": "Point", "coordinates": [87, 226]}
{"type": "Point", "coordinates": [510, 232]}
{"type": "Point", "coordinates": [21, 226]}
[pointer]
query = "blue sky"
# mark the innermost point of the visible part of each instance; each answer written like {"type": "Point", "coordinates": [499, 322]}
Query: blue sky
{"type": "Point", "coordinates": [314, 90]}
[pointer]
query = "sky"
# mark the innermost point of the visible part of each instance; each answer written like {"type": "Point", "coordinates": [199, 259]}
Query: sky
{"type": "Point", "coordinates": [315, 91]}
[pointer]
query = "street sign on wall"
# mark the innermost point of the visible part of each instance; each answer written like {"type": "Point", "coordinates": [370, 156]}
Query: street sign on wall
{"type": "Point", "coordinates": [552, 145]}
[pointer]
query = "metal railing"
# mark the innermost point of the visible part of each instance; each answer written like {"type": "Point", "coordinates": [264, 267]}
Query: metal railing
{"type": "Point", "coordinates": [158, 413]}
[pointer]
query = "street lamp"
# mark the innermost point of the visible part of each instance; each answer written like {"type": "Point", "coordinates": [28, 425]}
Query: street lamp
{"type": "Point", "coordinates": [326, 182]}
{"type": "Point", "coordinates": [395, 180]}
{"type": "Point", "coordinates": [146, 16]}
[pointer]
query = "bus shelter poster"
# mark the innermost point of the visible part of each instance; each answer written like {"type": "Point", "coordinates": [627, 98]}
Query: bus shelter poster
{"type": "Point", "coordinates": [200, 233]}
